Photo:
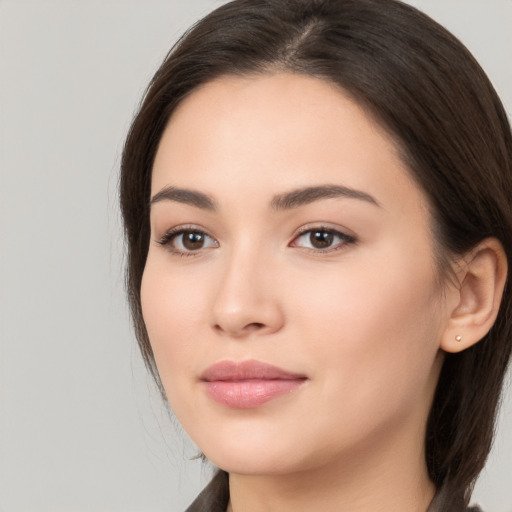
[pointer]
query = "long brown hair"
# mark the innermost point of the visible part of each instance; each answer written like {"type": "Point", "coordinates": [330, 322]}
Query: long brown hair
{"type": "Point", "coordinates": [425, 89]}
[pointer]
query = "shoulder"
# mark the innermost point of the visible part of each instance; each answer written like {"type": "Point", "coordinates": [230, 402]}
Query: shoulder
{"type": "Point", "coordinates": [214, 497]}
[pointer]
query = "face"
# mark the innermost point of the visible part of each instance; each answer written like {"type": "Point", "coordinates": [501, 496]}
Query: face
{"type": "Point", "coordinates": [290, 288]}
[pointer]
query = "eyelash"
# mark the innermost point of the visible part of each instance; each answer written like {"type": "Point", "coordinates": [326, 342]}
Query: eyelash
{"type": "Point", "coordinates": [344, 238]}
{"type": "Point", "coordinates": [171, 235]}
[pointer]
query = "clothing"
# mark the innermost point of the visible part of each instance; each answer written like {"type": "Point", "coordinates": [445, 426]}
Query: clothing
{"type": "Point", "coordinates": [215, 496]}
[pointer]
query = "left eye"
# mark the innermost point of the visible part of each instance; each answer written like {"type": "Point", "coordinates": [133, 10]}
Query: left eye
{"type": "Point", "coordinates": [187, 241]}
{"type": "Point", "coordinates": [322, 239]}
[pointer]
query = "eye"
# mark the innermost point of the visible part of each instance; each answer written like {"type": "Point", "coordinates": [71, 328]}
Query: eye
{"type": "Point", "coordinates": [322, 239]}
{"type": "Point", "coordinates": [184, 241]}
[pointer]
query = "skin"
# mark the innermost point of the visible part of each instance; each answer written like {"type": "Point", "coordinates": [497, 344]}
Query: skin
{"type": "Point", "coordinates": [363, 320]}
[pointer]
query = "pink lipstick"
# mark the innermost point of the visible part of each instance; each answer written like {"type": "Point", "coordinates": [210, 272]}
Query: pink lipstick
{"type": "Point", "coordinates": [248, 384]}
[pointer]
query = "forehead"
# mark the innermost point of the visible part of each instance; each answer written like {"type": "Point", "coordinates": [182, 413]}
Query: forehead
{"type": "Point", "coordinates": [277, 131]}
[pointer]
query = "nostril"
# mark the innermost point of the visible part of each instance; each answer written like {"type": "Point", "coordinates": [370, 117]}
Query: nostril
{"type": "Point", "coordinates": [255, 326]}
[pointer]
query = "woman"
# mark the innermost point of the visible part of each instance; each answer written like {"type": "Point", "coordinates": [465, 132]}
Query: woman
{"type": "Point", "coordinates": [317, 204]}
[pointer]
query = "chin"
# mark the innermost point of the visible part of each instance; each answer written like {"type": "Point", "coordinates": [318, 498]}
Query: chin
{"type": "Point", "coordinates": [271, 455]}
{"type": "Point", "coordinates": [251, 464]}
{"type": "Point", "coordinates": [250, 455]}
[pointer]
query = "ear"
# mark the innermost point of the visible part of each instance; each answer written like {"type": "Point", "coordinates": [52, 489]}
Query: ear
{"type": "Point", "coordinates": [481, 274]}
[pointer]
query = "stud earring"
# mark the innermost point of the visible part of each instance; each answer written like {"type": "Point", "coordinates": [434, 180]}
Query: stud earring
{"type": "Point", "coordinates": [458, 338]}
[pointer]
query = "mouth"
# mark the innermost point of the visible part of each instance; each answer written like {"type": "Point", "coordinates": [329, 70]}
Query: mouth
{"type": "Point", "coordinates": [248, 384]}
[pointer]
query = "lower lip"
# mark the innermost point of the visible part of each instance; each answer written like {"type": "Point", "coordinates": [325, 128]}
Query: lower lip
{"type": "Point", "coordinates": [250, 393]}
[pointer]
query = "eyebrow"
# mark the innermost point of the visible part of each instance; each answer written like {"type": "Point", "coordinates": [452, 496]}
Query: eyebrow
{"type": "Point", "coordinates": [307, 195]}
{"type": "Point", "coordinates": [181, 195]}
{"type": "Point", "coordinates": [285, 201]}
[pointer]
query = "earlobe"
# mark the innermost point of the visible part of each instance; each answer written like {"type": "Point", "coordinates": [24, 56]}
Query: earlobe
{"type": "Point", "coordinates": [482, 275]}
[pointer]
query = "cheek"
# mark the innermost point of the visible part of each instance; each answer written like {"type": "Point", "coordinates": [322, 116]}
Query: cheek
{"type": "Point", "coordinates": [375, 327]}
{"type": "Point", "coordinates": [173, 311]}
{"type": "Point", "coordinates": [173, 314]}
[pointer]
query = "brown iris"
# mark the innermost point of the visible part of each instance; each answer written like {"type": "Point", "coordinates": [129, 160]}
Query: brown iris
{"type": "Point", "coordinates": [193, 240]}
{"type": "Point", "coordinates": [321, 239]}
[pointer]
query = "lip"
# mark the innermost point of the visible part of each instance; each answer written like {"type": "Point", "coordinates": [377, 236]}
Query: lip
{"type": "Point", "coordinates": [248, 384]}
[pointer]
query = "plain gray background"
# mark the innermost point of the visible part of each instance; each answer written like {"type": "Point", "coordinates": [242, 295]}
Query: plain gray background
{"type": "Point", "coordinates": [81, 427]}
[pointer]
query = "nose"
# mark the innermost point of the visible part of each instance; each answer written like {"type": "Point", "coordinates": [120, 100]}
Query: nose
{"type": "Point", "coordinates": [246, 302]}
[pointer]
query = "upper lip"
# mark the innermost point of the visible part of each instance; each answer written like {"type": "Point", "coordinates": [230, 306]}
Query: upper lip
{"type": "Point", "coordinates": [247, 370]}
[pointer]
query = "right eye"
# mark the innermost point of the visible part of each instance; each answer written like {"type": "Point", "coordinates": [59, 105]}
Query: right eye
{"type": "Point", "coordinates": [322, 240]}
{"type": "Point", "coordinates": [184, 241]}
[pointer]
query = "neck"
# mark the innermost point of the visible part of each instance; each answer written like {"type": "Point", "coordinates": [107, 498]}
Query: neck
{"type": "Point", "coordinates": [391, 479]}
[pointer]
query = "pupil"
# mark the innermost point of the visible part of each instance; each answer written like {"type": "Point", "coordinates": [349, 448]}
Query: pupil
{"type": "Point", "coordinates": [193, 241]}
{"type": "Point", "coordinates": [321, 239]}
